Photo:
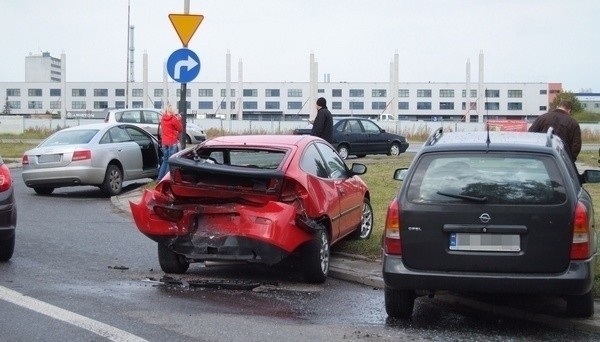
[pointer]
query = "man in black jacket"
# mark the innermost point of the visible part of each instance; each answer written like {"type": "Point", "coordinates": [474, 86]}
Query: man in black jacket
{"type": "Point", "coordinates": [564, 126]}
{"type": "Point", "coordinates": [323, 123]}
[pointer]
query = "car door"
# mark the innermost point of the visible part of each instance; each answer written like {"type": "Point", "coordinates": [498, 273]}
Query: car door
{"type": "Point", "coordinates": [117, 144]}
{"type": "Point", "coordinates": [352, 134]}
{"type": "Point", "coordinates": [349, 194]}
{"type": "Point", "coordinates": [150, 121]}
{"type": "Point", "coordinates": [375, 140]}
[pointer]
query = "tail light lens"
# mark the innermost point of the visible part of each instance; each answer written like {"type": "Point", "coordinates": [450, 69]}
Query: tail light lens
{"type": "Point", "coordinates": [581, 247]}
{"type": "Point", "coordinates": [391, 238]}
{"type": "Point", "coordinates": [82, 155]}
{"type": "Point", "coordinates": [25, 160]}
{"type": "Point", "coordinates": [5, 178]}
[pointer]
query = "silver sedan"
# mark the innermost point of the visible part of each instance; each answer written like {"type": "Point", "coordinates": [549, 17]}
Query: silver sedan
{"type": "Point", "coordinates": [104, 155]}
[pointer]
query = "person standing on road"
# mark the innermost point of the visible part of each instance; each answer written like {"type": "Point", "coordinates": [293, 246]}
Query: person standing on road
{"type": "Point", "coordinates": [564, 126]}
{"type": "Point", "coordinates": [323, 123]}
{"type": "Point", "coordinates": [170, 128]}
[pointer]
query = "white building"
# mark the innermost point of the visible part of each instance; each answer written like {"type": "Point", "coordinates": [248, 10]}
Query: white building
{"type": "Point", "coordinates": [42, 68]}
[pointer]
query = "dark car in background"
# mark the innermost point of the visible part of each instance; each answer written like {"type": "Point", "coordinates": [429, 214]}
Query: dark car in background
{"type": "Point", "coordinates": [256, 199]}
{"type": "Point", "coordinates": [491, 212]}
{"type": "Point", "coordinates": [359, 137]}
{"type": "Point", "coordinates": [8, 213]}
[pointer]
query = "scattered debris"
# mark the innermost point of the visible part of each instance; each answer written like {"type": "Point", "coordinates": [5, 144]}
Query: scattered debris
{"type": "Point", "coordinates": [123, 268]}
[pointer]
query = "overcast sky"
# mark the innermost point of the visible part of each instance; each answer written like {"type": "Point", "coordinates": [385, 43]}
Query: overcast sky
{"type": "Point", "coordinates": [352, 40]}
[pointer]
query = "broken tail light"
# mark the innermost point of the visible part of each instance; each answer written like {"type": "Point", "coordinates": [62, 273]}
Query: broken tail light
{"type": "Point", "coordinates": [581, 248]}
{"type": "Point", "coordinates": [5, 178]}
{"type": "Point", "coordinates": [392, 243]}
{"type": "Point", "coordinates": [169, 214]}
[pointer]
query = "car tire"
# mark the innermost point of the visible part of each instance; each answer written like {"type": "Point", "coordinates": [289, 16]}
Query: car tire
{"type": "Point", "coordinates": [363, 232]}
{"type": "Point", "coordinates": [7, 248]}
{"type": "Point", "coordinates": [399, 303]}
{"type": "Point", "coordinates": [581, 306]}
{"type": "Point", "coordinates": [43, 190]}
{"type": "Point", "coordinates": [343, 151]}
{"type": "Point", "coordinates": [315, 259]}
{"type": "Point", "coordinates": [113, 180]}
{"type": "Point", "coordinates": [394, 149]}
{"type": "Point", "coordinates": [171, 262]}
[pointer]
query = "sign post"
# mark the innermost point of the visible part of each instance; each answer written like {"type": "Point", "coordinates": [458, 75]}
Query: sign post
{"type": "Point", "coordinates": [184, 65]}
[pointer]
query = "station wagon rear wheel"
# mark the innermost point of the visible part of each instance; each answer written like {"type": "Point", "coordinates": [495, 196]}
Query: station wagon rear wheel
{"type": "Point", "coordinates": [315, 258]}
{"type": "Point", "coordinates": [399, 303]}
{"type": "Point", "coordinates": [394, 149]}
{"type": "Point", "coordinates": [113, 181]}
{"type": "Point", "coordinates": [365, 228]}
{"type": "Point", "coordinates": [581, 306]}
{"type": "Point", "coordinates": [171, 262]}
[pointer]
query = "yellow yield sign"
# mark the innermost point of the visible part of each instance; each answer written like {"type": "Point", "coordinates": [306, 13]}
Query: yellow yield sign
{"type": "Point", "coordinates": [186, 25]}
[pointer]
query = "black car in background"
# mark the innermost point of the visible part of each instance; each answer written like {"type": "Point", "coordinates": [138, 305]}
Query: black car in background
{"type": "Point", "coordinates": [8, 213]}
{"type": "Point", "coordinates": [491, 212]}
{"type": "Point", "coordinates": [359, 137]}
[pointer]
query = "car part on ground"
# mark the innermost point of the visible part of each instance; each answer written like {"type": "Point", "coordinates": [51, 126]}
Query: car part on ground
{"type": "Point", "coordinates": [255, 199]}
{"type": "Point", "coordinates": [491, 212]}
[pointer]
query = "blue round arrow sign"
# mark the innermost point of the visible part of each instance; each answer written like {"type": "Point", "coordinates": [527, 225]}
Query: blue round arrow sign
{"type": "Point", "coordinates": [183, 65]}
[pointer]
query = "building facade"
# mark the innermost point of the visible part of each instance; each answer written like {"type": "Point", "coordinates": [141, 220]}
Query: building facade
{"type": "Point", "coordinates": [43, 68]}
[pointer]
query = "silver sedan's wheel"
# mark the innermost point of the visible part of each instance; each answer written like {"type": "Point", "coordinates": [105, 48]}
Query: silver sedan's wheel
{"type": "Point", "coordinates": [395, 149]}
{"type": "Point", "coordinates": [343, 151]}
{"type": "Point", "coordinates": [113, 181]}
{"type": "Point", "coordinates": [365, 228]}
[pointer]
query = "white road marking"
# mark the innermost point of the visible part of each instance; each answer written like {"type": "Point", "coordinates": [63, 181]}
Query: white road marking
{"type": "Point", "coordinates": [99, 328]}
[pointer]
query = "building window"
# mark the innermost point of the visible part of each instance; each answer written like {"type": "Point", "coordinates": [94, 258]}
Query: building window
{"type": "Point", "coordinates": [250, 92]}
{"type": "Point", "coordinates": [554, 91]}
{"type": "Point", "coordinates": [357, 93]}
{"type": "Point", "coordinates": [543, 92]}
{"type": "Point", "coordinates": [271, 92]}
{"type": "Point", "coordinates": [514, 106]}
{"type": "Point", "coordinates": [119, 92]}
{"type": "Point", "coordinates": [378, 105]}
{"type": "Point", "coordinates": [250, 104]}
{"type": "Point", "coordinates": [158, 92]}
{"type": "Point", "coordinates": [158, 105]}
{"type": "Point", "coordinates": [224, 92]}
{"type": "Point", "coordinates": [100, 92]}
{"type": "Point", "coordinates": [294, 92]}
{"type": "Point", "coordinates": [205, 105]}
{"type": "Point", "coordinates": [294, 105]}
{"type": "Point", "coordinates": [272, 105]}
{"type": "Point", "coordinates": [34, 92]}
{"type": "Point", "coordinates": [403, 92]}
{"type": "Point", "coordinates": [320, 91]}
{"type": "Point", "coordinates": [423, 93]}
{"type": "Point", "coordinates": [13, 92]}
{"type": "Point", "coordinates": [543, 108]}
{"type": "Point", "coordinates": [54, 104]}
{"type": "Point", "coordinates": [137, 104]}
{"type": "Point", "coordinates": [188, 92]}
{"type": "Point", "coordinates": [515, 93]}
{"type": "Point", "coordinates": [378, 93]}
{"type": "Point", "coordinates": [492, 93]}
{"type": "Point", "coordinates": [473, 93]}
{"type": "Point", "coordinates": [336, 92]}
{"type": "Point", "coordinates": [357, 105]}
{"type": "Point", "coordinates": [446, 105]}
{"type": "Point", "coordinates": [492, 106]}
{"type": "Point", "coordinates": [54, 92]}
{"type": "Point", "coordinates": [205, 92]}
{"type": "Point", "coordinates": [14, 104]}
{"type": "Point", "coordinates": [402, 105]}
{"type": "Point", "coordinates": [78, 93]}
{"type": "Point", "coordinates": [423, 105]}
{"type": "Point", "coordinates": [446, 92]}
{"type": "Point", "coordinates": [473, 106]}
{"type": "Point", "coordinates": [100, 104]}
{"type": "Point", "coordinates": [120, 104]}
{"type": "Point", "coordinates": [78, 104]}
{"type": "Point", "coordinates": [336, 105]}
{"type": "Point", "coordinates": [34, 104]}
{"type": "Point", "coordinates": [137, 92]}
{"type": "Point", "coordinates": [188, 104]}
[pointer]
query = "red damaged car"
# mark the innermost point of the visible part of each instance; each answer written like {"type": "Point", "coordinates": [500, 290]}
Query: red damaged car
{"type": "Point", "coordinates": [255, 199]}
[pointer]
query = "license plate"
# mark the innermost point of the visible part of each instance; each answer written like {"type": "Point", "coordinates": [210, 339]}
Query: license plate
{"type": "Point", "coordinates": [485, 242]}
{"type": "Point", "coordinates": [49, 158]}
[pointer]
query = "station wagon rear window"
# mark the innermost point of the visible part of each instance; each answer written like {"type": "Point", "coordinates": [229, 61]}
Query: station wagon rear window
{"type": "Point", "coordinates": [492, 178]}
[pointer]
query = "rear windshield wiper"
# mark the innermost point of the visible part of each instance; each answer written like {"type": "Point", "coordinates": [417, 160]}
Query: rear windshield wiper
{"type": "Point", "coordinates": [465, 197]}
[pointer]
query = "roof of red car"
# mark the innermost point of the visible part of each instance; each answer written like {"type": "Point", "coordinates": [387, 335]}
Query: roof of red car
{"type": "Point", "coordinates": [260, 140]}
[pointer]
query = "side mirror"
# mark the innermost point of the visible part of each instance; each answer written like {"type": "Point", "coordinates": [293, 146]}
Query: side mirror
{"type": "Point", "coordinates": [400, 174]}
{"type": "Point", "coordinates": [358, 169]}
{"type": "Point", "coordinates": [591, 176]}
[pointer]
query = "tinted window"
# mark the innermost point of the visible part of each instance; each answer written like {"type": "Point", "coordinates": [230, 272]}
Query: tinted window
{"type": "Point", "coordinates": [80, 136]}
{"type": "Point", "coordinates": [492, 178]}
{"type": "Point", "coordinates": [138, 136]}
{"type": "Point", "coordinates": [335, 165]}
{"type": "Point", "coordinates": [370, 127]}
{"type": "Point", "coordinates": [313, 163]}
{"type": "Point", "coordinates": [131, 116]}
{"type": "Point", "coordinates": [117, 134]}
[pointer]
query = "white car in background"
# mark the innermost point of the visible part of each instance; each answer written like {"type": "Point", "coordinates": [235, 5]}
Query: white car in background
{"type": "Point", "coordinates": [149, 119]}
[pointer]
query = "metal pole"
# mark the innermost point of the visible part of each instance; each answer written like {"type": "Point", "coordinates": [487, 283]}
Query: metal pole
{"type": "Point", "coordinates": [182, 98]}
